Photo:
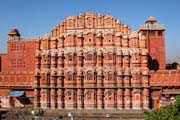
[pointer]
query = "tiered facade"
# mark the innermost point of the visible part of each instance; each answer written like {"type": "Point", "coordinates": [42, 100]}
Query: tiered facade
{"type": "Point", "coordinates": [92, 61]}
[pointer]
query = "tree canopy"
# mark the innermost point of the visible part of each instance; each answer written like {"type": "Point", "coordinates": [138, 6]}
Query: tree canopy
{"type": "Point", "coordinates": [169, 112]}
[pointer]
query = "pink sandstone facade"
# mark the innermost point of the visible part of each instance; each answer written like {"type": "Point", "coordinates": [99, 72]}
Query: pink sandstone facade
{"type": "Point", "coordinates": [91, 61]}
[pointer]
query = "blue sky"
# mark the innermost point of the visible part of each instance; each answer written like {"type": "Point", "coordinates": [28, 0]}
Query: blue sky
{"type": "Point", "coordinates": [34, 18]}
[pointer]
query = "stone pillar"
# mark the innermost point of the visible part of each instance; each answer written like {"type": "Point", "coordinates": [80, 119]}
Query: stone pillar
{"type": "Point", "coordinates": [80, 58]}
{"type": "Point", "coordinates": [79, 42]}
{"type": "Point", "coordinates": [119, 78]}
{"type": "Point", "coordinates": [60, 59]}
{"type": "Point", "coordinates": [99, 39]}
{"type": "Point", "coordinates": [53, 43]}
{"type": "Point", "coordinates": [127, 98]}
{"type": "Point", "coordinates": [45, 79]}
{"type": "Point", "coordinates": [53, 79]}
{"type": "Point", "coordinates": [118, 39]}
{"type": "Point", "coordinates": [120, 98]}
{"type": "Point", "coordinates": [99, 58]}
{"type": "Point", "coordinates": [45, 99]}
{"type": "Point", "coordinates": [53, 98]}
{"type": "Point", "coordinates": [79, 99]}
{"type": "Point", "coordinates": [119, 57]}
{"type": "Point", "coordinates": [125, 41]}
{"type": "Point", "coordinates": [53, 61]}
{"type": "Point", "coordinates": [60, 79]}
{"type": "Point", "coordinates": [145, 77]}
{"type": "Point", "coordinates": [126, 59]}
{"type": "Point", "coordinates": [136, 98]}
{"type": "Point", "coordinates": [37, 80]}
{"type": "Point", "coordinates": [144, 59]}
{"type": "Point", "coordinates": [36, 98]}
{"type": "Point", "coordinates": [99, 99]}
{"type": "Point", "coordinates": [79, 78]}
{"type": "Point", "coordinates": [146, 98]}
{"type": "Point", "coordinates": [60, 98]}
{"type": "Point", "coordinates": [127, 78]}
{"type": "Point", "coordinates": [100, 78]}
{"type": "Point", "coordinates": [60, 43]}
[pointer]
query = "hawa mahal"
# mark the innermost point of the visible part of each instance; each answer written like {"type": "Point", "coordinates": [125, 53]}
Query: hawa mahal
{"type": "Point", "coordinates": [89, 61]}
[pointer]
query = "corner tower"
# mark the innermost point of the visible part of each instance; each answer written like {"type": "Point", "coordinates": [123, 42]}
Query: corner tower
{"type": "Point", "coordinates": [154, 34]}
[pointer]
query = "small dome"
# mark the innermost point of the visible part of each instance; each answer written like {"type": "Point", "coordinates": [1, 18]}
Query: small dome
{"type": "Point", "coordinates": [151, 20]}
{"type": "Point", "coordinates": [14, 33]}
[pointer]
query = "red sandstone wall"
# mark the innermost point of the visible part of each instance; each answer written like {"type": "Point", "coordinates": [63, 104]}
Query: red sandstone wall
{"type": "Point", "coordinates": [154, 33]}
{"type": "Point", "coordinates": [157, 51]}
{"type": "Point", "coordinates": [3, 62]}
{"type": "Point", "coordinates": [20, 56]}
{"type": "Point", "coordinates": [17, 67]}
{"type": "Point", "coordinates": [164, 83]}
{"type": "Point", "coordinates": [4, 91]}
{"type": "Point", "coordinates": [16, 79]}
{"type": "Point", "coordinates": [165, 78]}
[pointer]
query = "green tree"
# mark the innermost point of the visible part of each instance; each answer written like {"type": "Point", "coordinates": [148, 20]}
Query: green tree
{"type": "Point", "coordinates": [169, 112]}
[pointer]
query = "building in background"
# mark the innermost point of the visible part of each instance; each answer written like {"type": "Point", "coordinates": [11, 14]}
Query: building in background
{"type": "Point", "coordinates": [17, 71]}
{"type": "Point", "coordinates": [91, 61]}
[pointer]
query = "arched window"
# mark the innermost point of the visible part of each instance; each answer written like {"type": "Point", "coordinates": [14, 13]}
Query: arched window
{"type": "Point", "coordinates": [110, 76]}
{"type": "Point", "coordinates": [88, 95]}
{"type": "Point", "coordinates": [89, 56]}
{"type": "Point", "coordinates": [69, 76]}
{"type": "Point", "coordinates": [70, 57]}
{"type": "Point", "coordinates": [109, 56]}
{"type": "Point", "coordinates": [89, 75]}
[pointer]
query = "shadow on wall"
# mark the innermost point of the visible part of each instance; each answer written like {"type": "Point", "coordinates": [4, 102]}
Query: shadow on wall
{"type": "Point", "coordinates": [153, 64]}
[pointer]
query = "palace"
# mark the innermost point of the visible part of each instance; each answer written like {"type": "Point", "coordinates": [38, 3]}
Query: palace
{"type": "Point", "coordinates": [89, 61]}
